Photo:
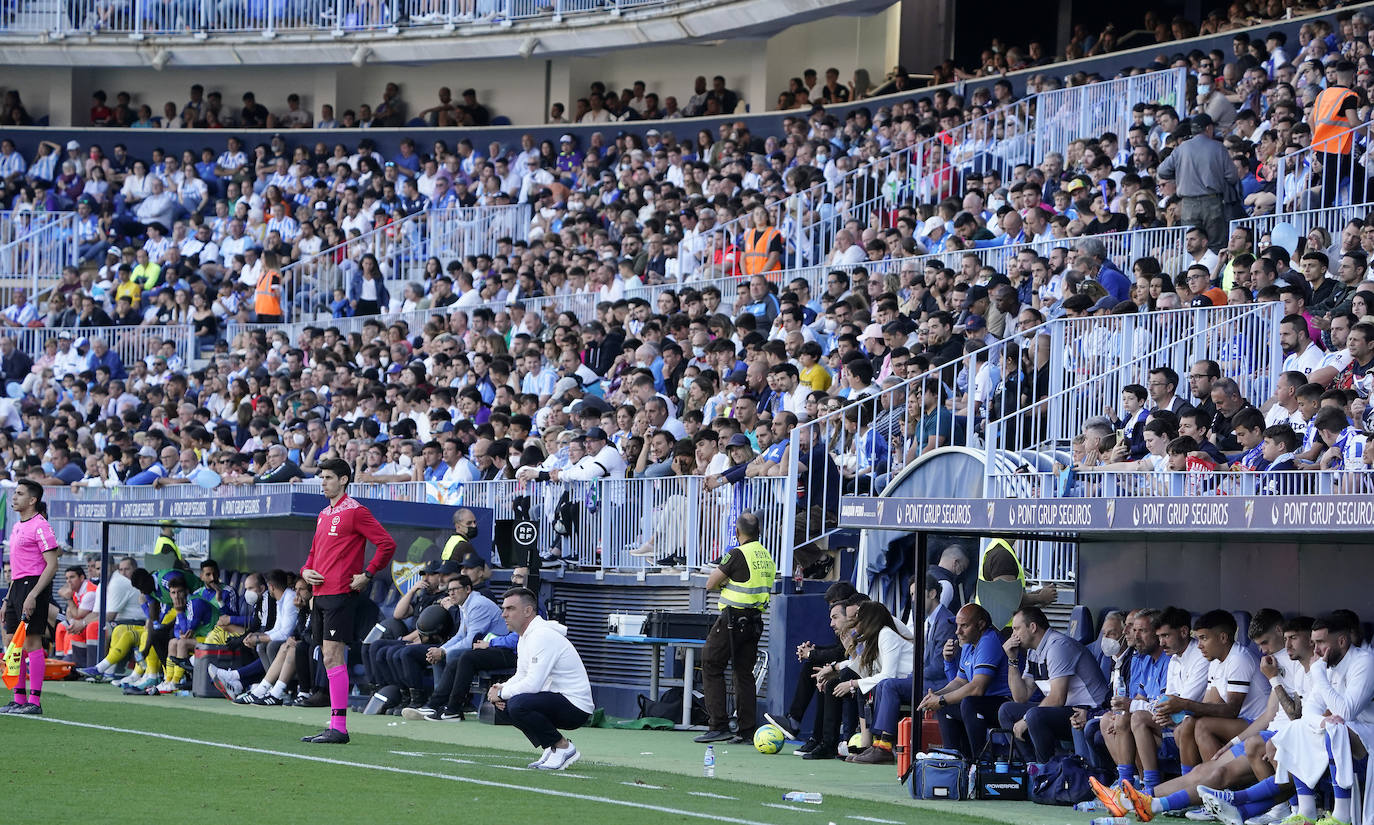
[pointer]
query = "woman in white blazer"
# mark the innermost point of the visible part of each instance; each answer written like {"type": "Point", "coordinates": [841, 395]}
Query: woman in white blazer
{"type": "Point", "coordinates": [883, 650]}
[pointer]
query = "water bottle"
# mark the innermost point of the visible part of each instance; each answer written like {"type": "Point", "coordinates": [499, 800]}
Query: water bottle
{"type": "Point", "coordinates": [1110, 820]}
{"type": "Point", "coordinates": [708, 764]}
{"type": "Point", "coordinates": [972, 782]}
{"type": "Point", "coordinates": [1091, 806]}
{"type": "Point", "coordinates": [1118, 684]}
{"type": "Point", "coordinates": [802, 796]}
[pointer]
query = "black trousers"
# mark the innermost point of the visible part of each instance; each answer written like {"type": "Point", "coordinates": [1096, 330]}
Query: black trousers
{"type": "Point", "coordinates": [540, 715]}
{"type": "Point", "coordinates": [805, 690]}
{"type": "Point", "coordinates": [964, 726]}
{"type": "Point", "coordinates": [733, 640]}
{"type": "Point", "coordinates": [831, 710]}
{"type": "Point", "coordinates": [455, 684]}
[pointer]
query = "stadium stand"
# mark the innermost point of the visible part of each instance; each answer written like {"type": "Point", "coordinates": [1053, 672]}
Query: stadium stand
{"type": "Point", "coordinates": [1150, 285]}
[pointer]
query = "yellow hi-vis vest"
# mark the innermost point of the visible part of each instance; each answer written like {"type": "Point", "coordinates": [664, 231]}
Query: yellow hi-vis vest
{"type": "Point", "coordinates": [166, 545]}
{"type": "Point", "coordinates": [982, 556]}
{"type": "Point", "coordinates": [753, 593]}
{"type": "Point", "coordinates": [454, 547]}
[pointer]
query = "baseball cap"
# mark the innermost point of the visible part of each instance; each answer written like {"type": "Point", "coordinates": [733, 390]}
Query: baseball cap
{"type": "Point", "coordinates": [738, 376]}
{"type": "Point", "coordinates": [973, 323]}
{"type": "Point", "coordinates": [1106, 302]}
{"type": "Point", "coordinates": [470, 561]}
{"type": "Point", "coordinates": [1201, 301]}
{"type": "Point", "coordinates": [976, 293]}
{"type": "Point", "coordinates": [738, 440]}
{"type": "Point", "coordinates": [564, 385]}
{"type": "Point", "coordinates": [65, 334]}
{"type": "Point", "coordinates": [932, 223]}
{"type": "Point", "coordinates": [596, 433]}
{"type": "Point", "coordinates": [71, 144]}
{"type": "Point", "coordinates": [147, 452]}
{"type": "Point", "coordinates": [321, 206]}
{"type": "Point", "coordinates": [873, 331]}
{"type": "Point", "coordinates": [1074, 185]}
{"type": "Point", "coordinates": [565, 139]}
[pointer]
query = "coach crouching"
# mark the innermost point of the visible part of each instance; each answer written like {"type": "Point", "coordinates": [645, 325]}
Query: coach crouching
{"type": "Point", "coordinates": [549, 690]}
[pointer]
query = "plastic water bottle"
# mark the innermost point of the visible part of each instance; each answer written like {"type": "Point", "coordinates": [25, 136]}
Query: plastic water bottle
{"type": "Point", "coordinates": [708, 764]}
{"type": "Point", "coordinates": [1110, 820]}
{"type": "Point", "coordinates": [1091, 806]}
{"type": "Point", "coordinates": [1118, 684]}
{"type": "Point", "coordinates": [972, 782]}
{"type": "Point", "coordinates": [802, 796]}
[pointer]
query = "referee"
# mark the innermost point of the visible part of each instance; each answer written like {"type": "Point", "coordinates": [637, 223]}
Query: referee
{"type": "Point", "coordinates": [335, 569]}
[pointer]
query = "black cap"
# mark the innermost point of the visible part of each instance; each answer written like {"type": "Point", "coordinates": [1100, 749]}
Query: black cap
{"type": "Point", "coordinates": [739, 440]}
{"type": "Point", "coordinates": [470, 561]}
{"type": "Point", "coordinates": [596, 433]}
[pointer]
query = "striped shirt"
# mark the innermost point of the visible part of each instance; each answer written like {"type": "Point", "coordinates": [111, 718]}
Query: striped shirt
{"type": "Point", "coordinates": [11, 164]}
{"type": "Point", "coordinates": [156, 249]}
{"type": "Point", "coordinates": [231, 160]}
{"type": "Point", "coordinates": [286, 226]}
{"type": "Point", "coordinates": [44, 168]}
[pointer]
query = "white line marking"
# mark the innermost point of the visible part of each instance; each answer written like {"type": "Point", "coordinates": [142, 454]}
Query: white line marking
{"type": "Point", "coordinates": [514, 768]}
{"type": "Point", "coordinates": [793, 808]}
{"type": "Point", "coordinates": [389, 769]}
{"type": "Point", "coordinates": [875, 819]}
{"type": "Point", "coordinates": [642, 785]}
{"type": "Point", "coordinates": [509, 756]}
{"type": "Point", "coordinates": [710, 795]}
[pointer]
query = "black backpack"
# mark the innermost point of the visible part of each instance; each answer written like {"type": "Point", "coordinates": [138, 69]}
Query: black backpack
{"type": "Point", "coordinates": [669, 706]}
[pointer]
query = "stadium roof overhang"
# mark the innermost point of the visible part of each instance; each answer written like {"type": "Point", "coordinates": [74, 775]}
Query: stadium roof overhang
{"type": "Point", "coordinates": [240, 509]}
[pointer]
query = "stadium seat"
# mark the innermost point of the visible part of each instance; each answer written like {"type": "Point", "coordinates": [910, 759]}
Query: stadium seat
{"type": "Point", "coordinates": [500, 120]}
{"type": "Point", "coordinates": [1081, 627]}
{"type": "Point", "coordinates": [1242, 618]}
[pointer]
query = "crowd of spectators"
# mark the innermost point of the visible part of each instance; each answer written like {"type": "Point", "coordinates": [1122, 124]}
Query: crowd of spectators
{"type": "Point", "coordinates": [694, 383]}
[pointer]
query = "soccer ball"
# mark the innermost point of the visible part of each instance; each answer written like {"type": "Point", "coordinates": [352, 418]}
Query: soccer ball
{"type": "Point", "coordinates": [856, 742]}
{"type": "Point", "coordinates": [768, 739]}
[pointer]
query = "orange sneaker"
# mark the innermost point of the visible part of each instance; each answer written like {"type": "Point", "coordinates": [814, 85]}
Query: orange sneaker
{"type": "Point", "coordinates": [1138, 800]}
{"type": "Point", "coordinates": [1107, 797]}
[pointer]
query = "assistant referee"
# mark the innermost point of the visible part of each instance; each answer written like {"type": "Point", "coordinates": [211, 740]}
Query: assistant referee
{"type": "Point", "coordinates": [335, 569]}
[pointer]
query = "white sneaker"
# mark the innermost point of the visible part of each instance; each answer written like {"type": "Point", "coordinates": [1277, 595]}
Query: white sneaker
{"type": "Point", "coordinates": [560, 759]}
{"type": "Point", "coordinates": [1199, 815]}
{"type": "Point", "coordinates": [1219, 805]}
{"type": "Point", "coordinates": [543, 757]}
{"type": "Point", "coordinates": [1276, 814]}
{"type": "Point", "coordinates": [212, 671]}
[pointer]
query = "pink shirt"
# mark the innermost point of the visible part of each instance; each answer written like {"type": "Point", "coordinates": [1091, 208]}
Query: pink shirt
{"type": "Point", "coordinates": [29, 540]}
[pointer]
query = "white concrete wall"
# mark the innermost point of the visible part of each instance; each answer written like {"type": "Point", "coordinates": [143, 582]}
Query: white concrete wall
{"type": "Point", "coordinates": [757, 69]}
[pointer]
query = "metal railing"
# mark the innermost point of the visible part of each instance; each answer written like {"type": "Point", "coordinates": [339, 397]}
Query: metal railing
{"type": "Point", "coordinates": [931, 169]}
{"type": "Point", "coordinates": [475, 230]}
{"type": "Point", "coordinates": [1332, 173]}
{"type": "Point", "coordinates": [1332, 219]}
{"type": "Point", "coordinates": [1081, 111]}
{"type": "Point", "coordinates": [130, 343]}
{"type": "Point", "coordinates": [677, 515]}
{"type": "Point", "coordinates": [34, 250]}
{"type": "Point", "coordinates": [141, 18]}
{"type": "Point", "coordinates": [1100, 356]}
{"type": "Point", "coordinates": [1198, 481]}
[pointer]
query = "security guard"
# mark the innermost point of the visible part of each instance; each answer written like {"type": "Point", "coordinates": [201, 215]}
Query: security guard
{"type": "Point", "coordinates": [166, 554]}
{"type": "Point", "coordinates": [745, 579]}
{"type": "Point", "coordinates": [763, 246]}
{"type": "Point", "coordinates": [459, 544]}
{"type": "Point", "coordinates": [267, 293]}
{"type": "Point", "coordinates": [1334, 115]}
{"type": "Point", "coordinates": [998, 562]}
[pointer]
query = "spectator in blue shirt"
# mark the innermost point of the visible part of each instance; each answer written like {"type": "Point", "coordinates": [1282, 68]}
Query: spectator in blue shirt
{"type": "Point", "coordinates": [151, 469]}
{"type": "Point", "coordinates": [966, 707]}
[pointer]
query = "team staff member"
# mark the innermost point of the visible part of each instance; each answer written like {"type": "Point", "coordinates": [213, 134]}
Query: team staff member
{"type": "Point", "coordinates": [33, 564]}
{"type": "Point", "coordinates": [549, 690]}
{"type": "Point", "coordinates": [335, 569]}
{"type": "Point", "coordinates": [745, 579]}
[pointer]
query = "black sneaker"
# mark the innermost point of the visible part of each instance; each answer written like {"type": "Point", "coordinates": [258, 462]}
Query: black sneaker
{"type": "Point", "coordinates": [714, 736]}
{"type": "Point", "coordinates": [806, 747]}
{"type": "Point", "coordinates": [673, 560]}
{"type": "Point", "coordinates": [742, 737]}
{"type": "Point", "coordinates": [820, 570]}
{"type": "Point", "coordinates": [318, 699]}
{"type": "Point", "coordinates": [10, 707]}
{"type": "Point", "coordinates": [823, 752]}
{"type": "Point", "coordinates": [328, 736]}
{"type": "Point", "coordinates": [446, 716]}
{"type": "Point", "coordinates": [27, 710]}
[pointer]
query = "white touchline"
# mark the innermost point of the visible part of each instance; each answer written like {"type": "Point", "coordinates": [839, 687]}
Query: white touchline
{"type": "Point", "coordinates": [792, 808]}
{"type": "Point", "coordinates": [389, 769]}
{"type": "Point", "coordinates": [645, 785]}
{"type": "Point", "coordinates": [710, 795]}
{"type": "Point", "coordinates": [874, 819]}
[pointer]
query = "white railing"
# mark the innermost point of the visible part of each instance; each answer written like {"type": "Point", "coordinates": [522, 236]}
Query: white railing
{"type": "Point", "coordinates": [1196, 482]}
{"type": "Point", "coordinates": [1335, 176]}
{"type": "Point", "coordinates": [1332, 219]}
{"type": "Point", "coordinates": [35, 248]}
{"type": "Point", "coordinates": [1081, 111]}
{"type": "Point", "coordinates": [677, 515]}
{"type": "Point", "coordinates": [1023, 131]}
{"type": "Point", "coordinates": [475, 230]}
{"type": "Point", "coordinates": [1093, 359]}
{"type": "Point", "coordinates": [1166, 244]}
{"type": "Point", "coordinates": [131, 343]}
{"type": "Point", "coordinates": [141, 18]}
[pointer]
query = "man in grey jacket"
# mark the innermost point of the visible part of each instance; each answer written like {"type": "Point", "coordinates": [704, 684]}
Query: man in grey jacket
{"type": "Point", "coordinates": [1205, 176]}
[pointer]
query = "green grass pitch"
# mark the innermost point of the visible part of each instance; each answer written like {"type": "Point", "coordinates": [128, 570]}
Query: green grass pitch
{"type": "Point", "coordinates": [230, 762]}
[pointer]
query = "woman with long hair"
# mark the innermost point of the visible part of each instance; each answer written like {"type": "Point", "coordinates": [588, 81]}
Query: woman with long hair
{"type": "Point", "coordinates": [883, 650]}
{"type": "Point", "coordinates": [33, 564]}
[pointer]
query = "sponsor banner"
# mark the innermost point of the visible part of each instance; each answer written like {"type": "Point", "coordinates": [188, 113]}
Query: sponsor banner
{"type": "Point", "coordinates": [171, 509]}
{"type": "Point", "coordinates": [1071, 515]}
